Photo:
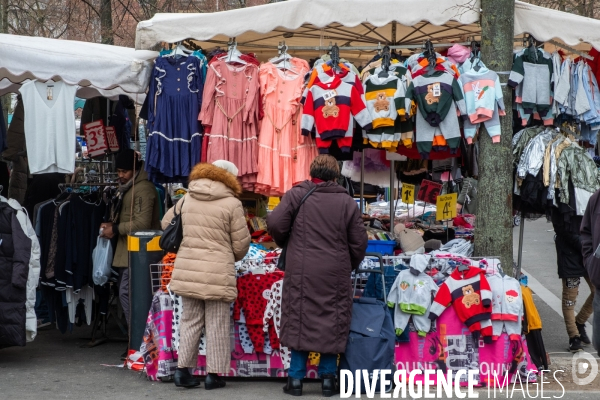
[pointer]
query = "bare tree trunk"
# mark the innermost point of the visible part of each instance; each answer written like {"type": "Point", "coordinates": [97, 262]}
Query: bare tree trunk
{"type": "Point", "coordinates": [493, 235]}
{"type": "Point", "coordinates": [106, 22]}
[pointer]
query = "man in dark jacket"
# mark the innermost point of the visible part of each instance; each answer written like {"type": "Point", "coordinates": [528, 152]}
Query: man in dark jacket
{"type": "Point", "coordinates": [135, 208]}
{"type": "Point", "coordinates": [570, 271]}
{"type": "Point", "coordinates": [327, 242]}
{"type": "Point", "coordinates": [590, 240]}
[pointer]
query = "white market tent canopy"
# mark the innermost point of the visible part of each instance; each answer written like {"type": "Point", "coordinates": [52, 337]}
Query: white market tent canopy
{"type": "Point", "coordinates": [314, 24]}
{"type": "Point", "coordinates": [100, 70]}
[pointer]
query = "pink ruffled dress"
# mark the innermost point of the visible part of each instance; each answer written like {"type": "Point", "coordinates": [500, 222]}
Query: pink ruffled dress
{"type": "Point", "coordinates": [284, 154]}
{"type": "Point", "coordinates": [230, 108]}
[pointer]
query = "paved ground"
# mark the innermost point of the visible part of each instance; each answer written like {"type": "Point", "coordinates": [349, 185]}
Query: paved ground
{"type": "Point", "coordinates": [54, 366]}
{"type": "Point", "coordinates": [539, 263]}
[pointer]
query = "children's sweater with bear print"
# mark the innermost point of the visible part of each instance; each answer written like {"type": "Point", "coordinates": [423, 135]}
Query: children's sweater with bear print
{"type": "Point", "coordinates": [437, 96]}
{"type": "Point", "coordinates": [471, 296]}
{"type": "Point", "coordinates": [329, 107]}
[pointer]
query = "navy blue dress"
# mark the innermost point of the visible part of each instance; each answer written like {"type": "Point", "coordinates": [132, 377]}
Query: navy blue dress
{"type": "Point", "coordinates": [174, 132]}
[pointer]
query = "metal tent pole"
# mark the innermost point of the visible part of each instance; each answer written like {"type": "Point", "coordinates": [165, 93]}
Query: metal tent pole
{"type": "Point", "coordinates": [520, 255]}
{"type": "Point", "coordinates": [392, 197]}
{"type": "Point", "coordinates": [362, 180]}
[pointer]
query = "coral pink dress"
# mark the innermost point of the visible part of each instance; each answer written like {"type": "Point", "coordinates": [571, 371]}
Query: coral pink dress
{"type": "Point", "coordinates": [284, 154]}
{"type": "Point", "coordinates": [230, 108]}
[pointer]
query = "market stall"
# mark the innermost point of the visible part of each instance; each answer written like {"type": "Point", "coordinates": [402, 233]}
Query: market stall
{"type": "Point", "coordinates": [41, 141]}
{"type": "Point", "coordinates": [360, 45]}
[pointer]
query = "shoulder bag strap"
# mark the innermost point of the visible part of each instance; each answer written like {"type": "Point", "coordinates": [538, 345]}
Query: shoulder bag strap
{"type": "Point", "coordinates": [180, 208]}
{"type": "Point", "coordinates": [300, 205]}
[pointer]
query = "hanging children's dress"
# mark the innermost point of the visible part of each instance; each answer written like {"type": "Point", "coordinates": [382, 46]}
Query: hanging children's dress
{"type": "Point", "coordinates": [175, 135]}
{"type": "Point", "coordinates": [231, 99]}
{"type": "Point", "coordinates": [284, 154]}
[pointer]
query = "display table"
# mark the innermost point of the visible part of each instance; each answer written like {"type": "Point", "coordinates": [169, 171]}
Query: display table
{"type": "Point", "coordinates": [451, 347]}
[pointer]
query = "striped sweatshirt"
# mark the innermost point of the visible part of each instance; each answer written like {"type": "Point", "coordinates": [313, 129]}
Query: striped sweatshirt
{"type": "Point", "coordinates": [330, 107]}
{"type": "Point", "coordinates": [471, 297]}
{"type": "Point", "coordinates": [483, 93]}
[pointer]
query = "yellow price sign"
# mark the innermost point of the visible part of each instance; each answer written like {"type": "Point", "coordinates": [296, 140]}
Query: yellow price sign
{"type": "Point", "coordinates": [408, 193]}
{"type": "Point", "coordinates": [446, 207]}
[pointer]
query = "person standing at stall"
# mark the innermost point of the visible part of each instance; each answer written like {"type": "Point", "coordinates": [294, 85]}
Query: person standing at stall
{"type": "Point", "coordinates": [134, 208]}
{"type": "Point", "coordinates": [328, 241]}
{"type": "Point", "coordinates": [590, 240]}
{"type": "Point", "coordinates": [215, 236]}
{"type": "Point", "coordinates": [571, 269]}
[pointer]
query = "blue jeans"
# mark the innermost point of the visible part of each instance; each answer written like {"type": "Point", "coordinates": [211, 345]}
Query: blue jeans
{"type": "Point", "coordinates": [41, 307]}
{"type": "Point", "coordinates": [327, 364]}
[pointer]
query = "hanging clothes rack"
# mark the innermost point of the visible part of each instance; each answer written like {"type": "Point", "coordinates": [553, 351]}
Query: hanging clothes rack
{"type": "Point", "coordinates": [347, 48]}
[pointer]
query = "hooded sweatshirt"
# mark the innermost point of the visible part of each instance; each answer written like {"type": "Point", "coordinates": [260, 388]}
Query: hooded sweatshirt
{"type": "Point", "coordinates": [507, 302]}
{"type": "Point", "coordinates": [330, 107]}
{"type": "Point", "coordinates": [411, 295]}
{"type": "Point", "coordinates": [385, 97]}
{"type": "Point", "coordinates": [413, 292]}
{"type": "Point", "coordinates": [471, 296]}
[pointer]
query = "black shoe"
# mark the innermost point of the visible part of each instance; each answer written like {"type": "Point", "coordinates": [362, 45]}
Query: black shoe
{"type": "Point", "coordinates": [213, 381]}
{"type": "Point", "coordinates": [575, 344]}
{"type": "Point", "coordinates": [583, 334]}
{"type": "Point", "coordinates": [329, 386]}
{"type": "Point", "coordinates": [183, 378]}
{"type": "Point", "coordinates": [124, 355]}
{"type": "Point", "coordinates": [293, 387]}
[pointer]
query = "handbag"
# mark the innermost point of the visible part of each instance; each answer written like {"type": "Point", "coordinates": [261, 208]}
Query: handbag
{"type": "Point", "coordinates": [281, 261]}
{"type": "Point", "coordinates": [173, 234]}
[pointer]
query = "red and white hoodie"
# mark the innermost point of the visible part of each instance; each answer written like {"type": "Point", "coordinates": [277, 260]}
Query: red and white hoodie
{"type": "Point", "coordinates": [471, 296]}
{"type": "Point", "coordinates": [330, 107]}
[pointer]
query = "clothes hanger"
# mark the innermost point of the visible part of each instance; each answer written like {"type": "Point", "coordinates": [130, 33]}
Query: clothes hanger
{"type": "Point", "coordinates": [335, 58]}
{"type": "Point", "coordinates": [385, 62]}
{"type": "Point", "coordinates": [476, 56]}
{"type": "Point", "coordinates": [429, 53]}
{"type": "Point", "coordinates": [283, 60]}
{"type": "Point", "coordinates": [180, 50]}
{"type": "Point", "coordinates": [233, 54]}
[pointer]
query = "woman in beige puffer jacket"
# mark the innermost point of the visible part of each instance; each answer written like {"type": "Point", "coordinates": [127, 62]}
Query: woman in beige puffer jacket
{"type": "Point", "coordinates": [215, 236]}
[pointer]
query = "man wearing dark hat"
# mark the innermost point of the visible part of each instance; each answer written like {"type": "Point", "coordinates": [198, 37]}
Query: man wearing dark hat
{"type": "Point", "coordinates": [134, 208]}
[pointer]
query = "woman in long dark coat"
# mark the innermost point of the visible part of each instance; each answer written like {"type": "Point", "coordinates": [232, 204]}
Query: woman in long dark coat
{"type": "Point", "coordinates": [328, 241]}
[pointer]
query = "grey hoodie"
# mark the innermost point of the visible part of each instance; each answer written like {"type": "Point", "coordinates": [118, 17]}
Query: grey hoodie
{"type": "Point", "coordinates": [412, 295]}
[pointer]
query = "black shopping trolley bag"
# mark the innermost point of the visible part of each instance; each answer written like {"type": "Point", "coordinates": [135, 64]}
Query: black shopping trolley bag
{"type": "Point", "coordinates": [371, 342]}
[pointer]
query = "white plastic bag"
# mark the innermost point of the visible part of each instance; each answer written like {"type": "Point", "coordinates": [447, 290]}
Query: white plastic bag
{"type": "Point", "coordinates": [102, 258]}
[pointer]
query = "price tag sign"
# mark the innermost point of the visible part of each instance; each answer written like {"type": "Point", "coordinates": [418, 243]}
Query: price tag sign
{"type": "Point", "coordinates": [408, 193]}
{"type": "Point", "coordinates": [95, 136]}
{"type": "Point", "coordinates": [446, 207]}
{"type": "Point", "coordinates": [429, 191]}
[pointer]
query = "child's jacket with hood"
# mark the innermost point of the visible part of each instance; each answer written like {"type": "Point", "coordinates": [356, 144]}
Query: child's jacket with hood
{"type": "Point", "coordinates": [413, 293]}
{"type": "Point", "coordinates": [471, 296]}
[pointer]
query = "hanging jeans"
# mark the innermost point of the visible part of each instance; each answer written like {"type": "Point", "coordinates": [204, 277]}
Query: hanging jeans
{"type": "Point", "coordinates": [596, 322]}
{"type": "Point", "coordinates": [570, 292]}
{"type": "Point", "coordinates": [327, 365]}
{"type": "Point", "coordinates": [124, 291]}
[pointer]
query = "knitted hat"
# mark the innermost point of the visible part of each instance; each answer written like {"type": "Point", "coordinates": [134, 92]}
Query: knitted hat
{"type": "Point", "coordinates": [397, 230]}
{"type": "Point", "coordinates": [458, 54]}
{"type": "Point", "coordinates": [227, 166]}
{"type": "Point", "coordinates": [127, 159]}
{"type": "Point", "coordinates": [410, 240]}
{"type": "Point", "coordinates": [432, 244]}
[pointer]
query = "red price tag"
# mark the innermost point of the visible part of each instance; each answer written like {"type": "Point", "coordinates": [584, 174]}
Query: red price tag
{"type": "Point", "coordinates": [95, 136]}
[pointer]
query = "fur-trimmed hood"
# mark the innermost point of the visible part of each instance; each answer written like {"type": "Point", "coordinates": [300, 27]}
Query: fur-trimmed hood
{"type": "Point", "coordinates": [208, 183]}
